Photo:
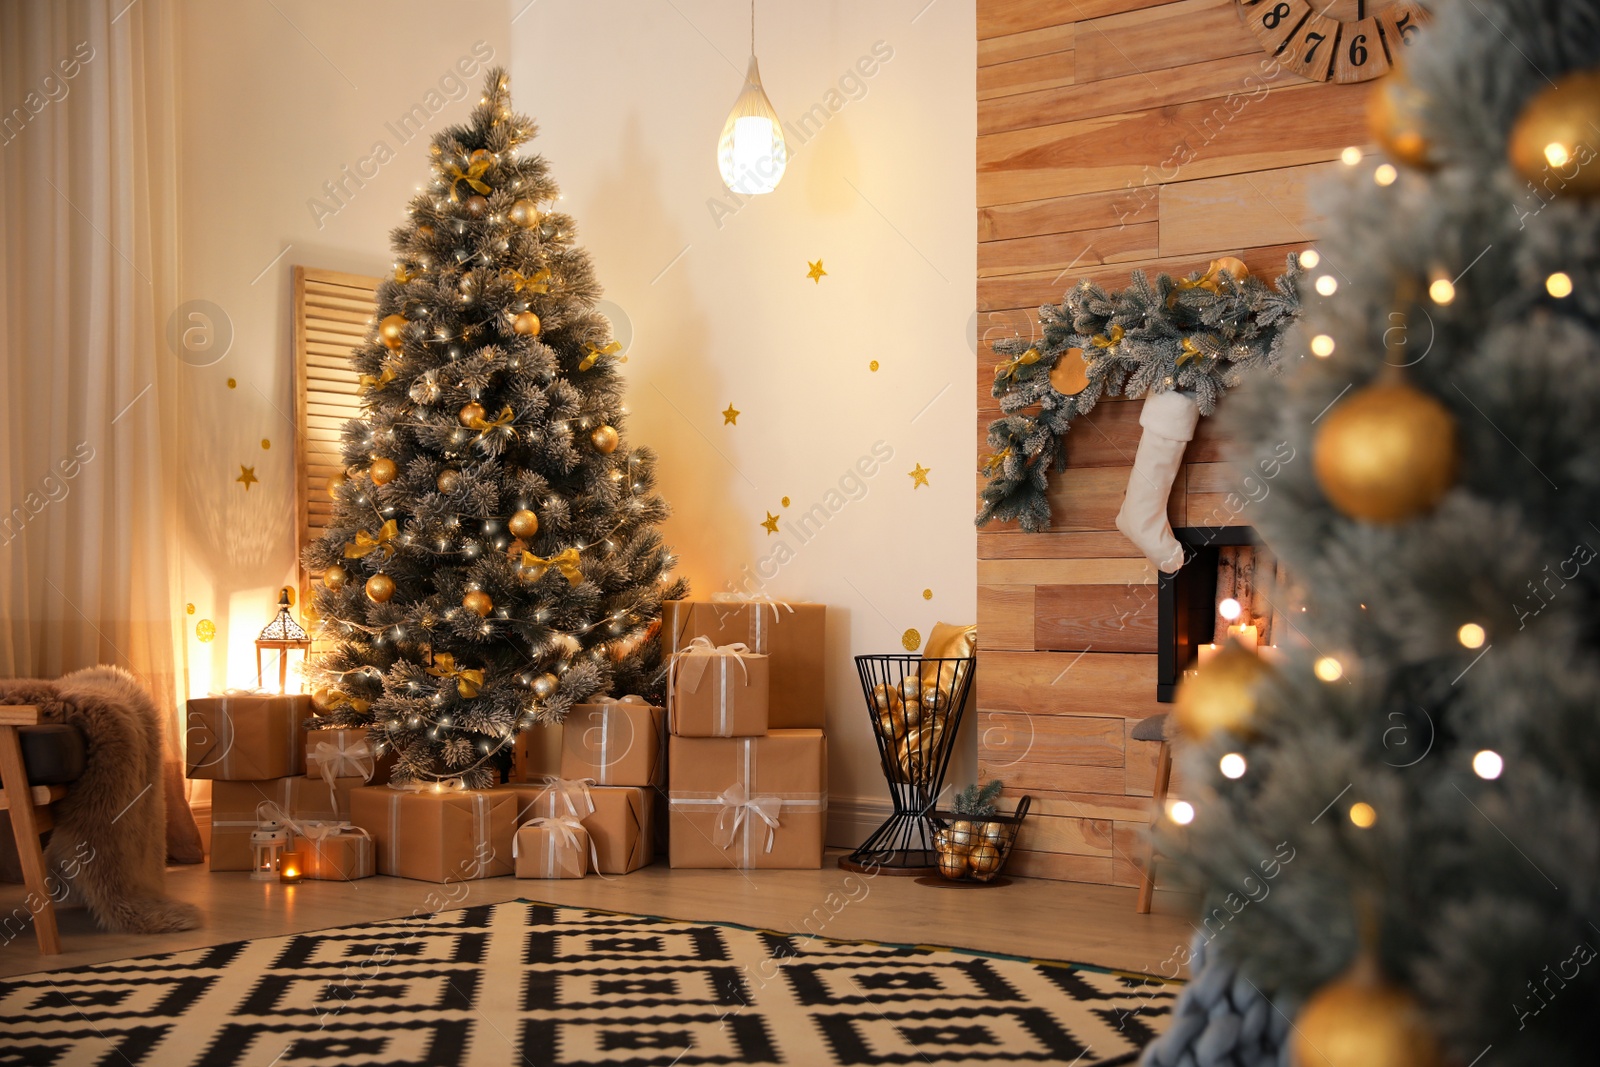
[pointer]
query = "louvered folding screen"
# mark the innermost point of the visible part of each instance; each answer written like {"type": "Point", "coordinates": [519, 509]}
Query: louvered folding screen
{"type": "Point", "coordinates": [332, 314]}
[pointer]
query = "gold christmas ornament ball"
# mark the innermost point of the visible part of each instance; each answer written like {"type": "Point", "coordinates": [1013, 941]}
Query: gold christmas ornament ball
{"type": "Point", "coordinates": [478, 603]}
{"type": "Point", "coordinates": [886, 697]}
{"type": "Point", "coordinates": [994, 833]}
{"type": "Point", "coordinates": [477, 206]}
{"type": "Point", "coordinates": [984, 859]}
{"type": "Point", "coordinates": [448, 481]}
{"type": "Point", "coordinates": [1395, 119]}
{"type": "Point", "coordinates": [380, 587]}
{"type": "Point", "coordinates": [320, 697]}
{"type": "Point", "coordinates": [526, 324]}
{"type": "Point", "coordinates": [1360, 1020]}
{"type": "Point", "coordinates": [1070, 375]}
{"type": "Point", "coordinates": [524, 213]}
{"type": "Point", "coordinates": [335, 481]}
{"type": "Point", "coordinates": [1222, 696]}
{"type": "Point", "coordinates": [1555, 136]}
{"type": "Point", "coordinates": [545, 685]}
{"type": "Point", "coordinates": [391, 330]}
{"type": "Point", "coordinates": [1386, 454]}
{"type": "Point", "coordinates": [933, 698]}
{"type": "Point", "coordinates": [953, 865]}
{"type": "Point", "coordinates": [382, 471]}
{"type": "Point", "coordinates": [1234, 266]}
{"type": "Point", "coordinates": [470, 413]}
{"type": "Point", "coordinates": [605, 439]}
{"type": "Point", "coordinates": [524, 524]}
{"type": "Point", "coordinates": [335, 577]}
{"type": "Point", "coordinates": [478, 155]}
{"type": "Point", "coordinates": [961, 835]}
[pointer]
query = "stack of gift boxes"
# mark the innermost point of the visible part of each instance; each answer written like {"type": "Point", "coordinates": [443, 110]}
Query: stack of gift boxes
{"type": "Point", "coordinates": [266, 768]}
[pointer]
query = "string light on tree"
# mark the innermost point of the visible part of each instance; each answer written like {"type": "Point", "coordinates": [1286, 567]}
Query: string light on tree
{"type": "Point", "coordinates": [1180, 812]}
{"type": "Point", "coordinates": [1232, 765]}
{"type": "Point", "coordinates": [1487, 764]}
{"type": "Point", "coordinates": [1559, 285]}
{"type": "Point", "coordinates": [1471, 635]}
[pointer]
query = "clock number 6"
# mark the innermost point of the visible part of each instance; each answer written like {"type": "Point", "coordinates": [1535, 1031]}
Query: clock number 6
{"type": "Point", "coordinates": [1278, 13]}
{"type": "Point", "coordinates": [1358, 50]}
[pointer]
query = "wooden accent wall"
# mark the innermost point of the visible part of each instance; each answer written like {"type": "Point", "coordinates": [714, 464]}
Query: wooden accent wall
{"type": "Point", "coordinates": [1113, 134]}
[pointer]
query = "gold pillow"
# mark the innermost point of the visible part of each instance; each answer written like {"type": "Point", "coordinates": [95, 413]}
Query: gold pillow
{"type": "Point", "coordinates": [949, 641]}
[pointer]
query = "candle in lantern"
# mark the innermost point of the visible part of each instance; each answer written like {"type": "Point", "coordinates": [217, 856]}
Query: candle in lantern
{"type": "Point", "coordinates": [290, 867]}
{"type": "Point", "coordinates": [1248, 636]}
{"type": "Point", "coordinates": [1206, 652]}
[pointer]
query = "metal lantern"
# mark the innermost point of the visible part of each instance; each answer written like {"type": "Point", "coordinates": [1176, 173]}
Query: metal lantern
{"type": "Point", "coordinates": [266, 849]}
{"type": "Point", "coordinates": [283, 634]}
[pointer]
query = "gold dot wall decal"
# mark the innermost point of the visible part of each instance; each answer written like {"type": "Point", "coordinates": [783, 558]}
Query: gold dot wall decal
{"type": "Point", "coordinates": [233, 383]}
{"type": "Point", "coordinates": [205, 631]}
{"type": "Point", "coordinates": [784, 501]}
{"type": "Point", "coordinates": [189, 608]}
{"type": "Point", "coordinates": [873, 366]}
{"type": "Point", "coordinates": [265, 443]}
{"type": "Point", "coordinates": [911, 640]}
{"type": "Point", "coordinates": [927, 594]}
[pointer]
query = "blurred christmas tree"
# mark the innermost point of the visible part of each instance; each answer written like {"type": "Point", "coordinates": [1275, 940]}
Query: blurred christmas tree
{"type": "Point", "coordinates": [493, 556]}
{"type": "Point", "coordinates": [1421, 777]}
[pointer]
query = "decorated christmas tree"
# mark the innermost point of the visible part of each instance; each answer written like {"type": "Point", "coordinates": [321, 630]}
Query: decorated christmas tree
{"type": "Point", "coordinates": [493, 556]}
{"type": "Point", "coordinates": [1396, 826]}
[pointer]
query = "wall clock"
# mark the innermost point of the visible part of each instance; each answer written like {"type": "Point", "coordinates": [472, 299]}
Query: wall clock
{"type": "Point", "coordinates": [1343, 40]}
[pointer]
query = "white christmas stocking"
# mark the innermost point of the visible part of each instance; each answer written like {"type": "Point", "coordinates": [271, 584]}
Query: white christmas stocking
{"type": "Point", "coordinates": [1168, 420]}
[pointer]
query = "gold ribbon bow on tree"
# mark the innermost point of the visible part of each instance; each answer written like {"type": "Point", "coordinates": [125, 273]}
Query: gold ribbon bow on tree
{"type": "Point", "coordinates": [483, 425]}
{"type": "Point", "coordinates": [472, 176]}
{"type": "Point", "coordinates": [468, 681]}
{"type": "Point", "coordinates": [1190, 351]}
{"type": "Point", "coordinates": [1101, 340]}
{"type": "Point", "coordinates": [338, 698]}
{"type": "Point", "coordinates": [539, 282]}
{"type": "Point", "coordinates": [566, 561]}
{"type": "Point", "coordinates": [1010, 367]}
{"type": "Point", "coordinates": [365, 544]}
{"type": "Point", "coordinates": [993, 462]}
{"type": "Point", "coordinates": [596, 352]}
{"type": "Point", "coordinates": [378, 381]}
{"type": "Point", "coordinates": [403, 273]}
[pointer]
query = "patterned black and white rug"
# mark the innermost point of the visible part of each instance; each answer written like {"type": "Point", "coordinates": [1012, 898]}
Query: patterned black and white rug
{"type": "Point", "coordinates": [547, 986]}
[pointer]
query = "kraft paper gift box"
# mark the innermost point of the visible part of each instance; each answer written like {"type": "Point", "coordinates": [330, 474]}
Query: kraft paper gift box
{"type": "Point", "coordinates": [537, 752]}
{"type": "Point", "coordinates": [552, 848]}
{"type": "Point", "coordinates": [551, 798]}
{"type": "Point", "coordinates": [438, 834]}
{"type": "Point", "coordinates": [335, 854]}
{"type": "Point", "coordinates": [245, 737]}
{"type": "Point", "coordinates": [717, 691]}
{"type": "Point", "coordinates": [613, 742]}
{"type": "Point", "coordinates": [791, 636]}
{"type": "Point", "coordinates": [346, 754]}
{"type": "Point", "coordinates": [621, 828]}
{"type": "Point", "coordinates": [233, 811]}
{"type": "Point", "coordinates": [749, 802]}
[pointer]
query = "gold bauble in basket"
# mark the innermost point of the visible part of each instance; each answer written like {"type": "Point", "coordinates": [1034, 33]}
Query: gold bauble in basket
{"type": "Point", "coordinates": [985, 860]}
{"type": "Point", "coordinates": [994, 833]}
{"type": "Point", "coordinates": [953, 865]}
{"type": "Point", "coordinates": [960, 834]}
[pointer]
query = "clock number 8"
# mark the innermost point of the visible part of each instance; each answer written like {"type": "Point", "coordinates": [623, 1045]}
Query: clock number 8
{"type": "Point", "coordinates": [1278, 13]}
{"type": "Point", "coordinates": [1358, 50]}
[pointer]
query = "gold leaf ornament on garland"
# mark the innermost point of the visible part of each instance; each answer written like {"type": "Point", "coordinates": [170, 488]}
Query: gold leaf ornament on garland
{"type": "Point", "coordinates": [1070, 375]}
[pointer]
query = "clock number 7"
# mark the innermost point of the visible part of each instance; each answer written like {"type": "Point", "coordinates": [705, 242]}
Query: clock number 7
{"type": "Point", "coordinates": [1316, 40]}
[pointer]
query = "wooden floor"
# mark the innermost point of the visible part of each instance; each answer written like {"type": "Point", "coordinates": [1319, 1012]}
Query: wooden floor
{"type": "Point", "coordinates": [1054, 920]}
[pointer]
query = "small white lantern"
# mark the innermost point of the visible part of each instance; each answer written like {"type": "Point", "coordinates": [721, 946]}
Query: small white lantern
{"type": "Point", "coordinates": [266, 844]}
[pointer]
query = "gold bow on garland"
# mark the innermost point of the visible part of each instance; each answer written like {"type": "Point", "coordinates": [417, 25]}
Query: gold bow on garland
{"type": "Point", "coordinates": [1101, 340]}
{"type": "Point", "coordinates": [566, 561]}
{"type": "Point", "coordinates": [993, 462]}
{"type": "Point", "coordinates": [337, 698]}
{"type": "Point", "coordinates": [468, 681]}
{"type": "Point", "coordinates": [538, 283]}
{"type": "Point", "coordinates": [365, 544]}
{"type": "Point", "coordinates": [1190, 351]}
{"type": "Point", "coordinates": [1012, 365]}
{"type": "Point", "coordinates": [471, 176]}
{"type": "Point", "coordinates": [375, 382]}
{"type": "Point", "coordinates": [483, 425]}
{"type": "Point", "coordinates": [403, 273]}
{"type": "Point", "coordinates": [595, 353]}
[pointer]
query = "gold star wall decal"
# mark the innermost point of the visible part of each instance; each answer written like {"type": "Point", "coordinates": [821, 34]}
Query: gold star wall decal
{"type": "Point", "coordinates": [247, 477]}
{"type": "Point", "coordinates": [919, 476]}
{"type": "Point", "coordinates": [731, 416]}
{"type": "Point", "coordinates": [771, 524]}
{"type": "Point", "coordinates": [816, 272]}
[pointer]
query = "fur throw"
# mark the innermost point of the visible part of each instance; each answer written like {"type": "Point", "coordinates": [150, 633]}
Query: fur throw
{"type": "Point", "coordinates": [110, 829]}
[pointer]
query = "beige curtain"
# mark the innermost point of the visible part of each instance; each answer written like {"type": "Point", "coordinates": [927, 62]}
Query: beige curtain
{"type": "Point", "coordinates": [88, 280]}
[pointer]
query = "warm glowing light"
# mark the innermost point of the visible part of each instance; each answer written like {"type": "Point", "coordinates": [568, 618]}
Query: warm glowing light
{"type": "Point", "coordinates": [1229, 608]}
{"type": "Point", "coordinates": [1181, 812]}
{"type": "Point", "coordinates": [1232, 765]}
{"type": "Point", "coordinates": [1488, 764]}
{"type": "Point", "coordinates": [1557, 154]}
{"type": "Point", "coordinates": [1385, 174]}
{"type": "Point", "coordinates": [1329, 669]}
{"type": "Point", "coordinates": [752, 154]}
{"type": "Point", "coordinates": [1471, 635]}
{"type": "Point", "coordinates": [1442, 291]}
{"type": "Point", "coordinates": [1351, 156]}
{"type": "Point", "coordinates": [1559, 285]}
{"type": "Point", "coordinates": [1309, 259]}
{"type": "Point", "coordinates": [1363, 814]}
{"type": "Point", "coordinates": [290, 867]}
{"type": "Point", "coordinates": [1322, 346]}
{"type": "Point", "coordinates": [1327, 285]}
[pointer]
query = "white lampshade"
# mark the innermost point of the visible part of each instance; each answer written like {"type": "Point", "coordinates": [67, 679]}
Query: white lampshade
{"type": "Point", "coordinates": [751, 153]}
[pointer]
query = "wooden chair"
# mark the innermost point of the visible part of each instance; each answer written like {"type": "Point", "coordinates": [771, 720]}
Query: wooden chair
{"type": "Point", "coordinates": [29, 809]}
{"type": "Point", "coordinates": [1154, 728]}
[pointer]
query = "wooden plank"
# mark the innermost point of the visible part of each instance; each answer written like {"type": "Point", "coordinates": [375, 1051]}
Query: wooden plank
{"type": "Point", "coordinates": [1200, 139]}
{"type": "Point", "coordinates": [1059, 740]}
{"type": "Point", "coordinates": [20, 715]}
{"type": "Point", "coordinates": [1022, 778]}
{"type": "Point", "coordinates": [1068, 251]}
{"type": "Point", "coordinates": [1072, 805]}
{"type": "Point", "coordinates": [1129, 848]}
{"type": "Point", "coordinates": [1049, 71]}
{"type": "Point", "coordinates": [1072, 837]}
{"type": "Point", "coordinates": [1088, 498]}
{"type": "Point", "coordinates": [1218, 495]}
{"type": "Point", "coordinates": [1112, 684]}
{"type": "Point", "coordinates": [1000, 543]}
{"type": "Point", "coordinates": [1005, 617]}
{"type": "Point", "coordinates": [1062, 214]}
{"type": "Point", "coordinates": [1152, 39]}
{"type": "Point", "coordinates": [1015, 46]}
{"type": "Point", "coordinates": [1003, 18]}
{"type": "Point", "coordinates": [40, 795]}
{"type": "Point", "coordinates": [1106, 618]}
{"type": "Point", "coordinates": [1269, 206]}
{"type": "Point", "coordinates": [26, 828]}
{"type": "Point", "coordinates": [1066, 572]}
{"type": "Point", "coordinates": [1062, 867]}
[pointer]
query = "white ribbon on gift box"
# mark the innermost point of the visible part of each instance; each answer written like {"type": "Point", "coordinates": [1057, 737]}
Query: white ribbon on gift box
{"type": "Point", "coordinates": [563, 791]}
{"type": "Point", "coordinates": [689, 665]}
{"type": "Point", "coordinates": [605, 738]}
{"type": "Point", "coordinates": [735, 804]}
{"type": "Point", "coordinates": [738, 807]}
{"type": "Point", "coordinates": [342, 760]}
{"type": "Point", "coordinates": [561, 844]}
{"type": "Point", "coordinates": [758, 634]}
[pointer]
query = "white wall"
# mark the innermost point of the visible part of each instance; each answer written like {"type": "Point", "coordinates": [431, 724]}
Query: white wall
{"type": "Point", "coordinates": [631, 96]}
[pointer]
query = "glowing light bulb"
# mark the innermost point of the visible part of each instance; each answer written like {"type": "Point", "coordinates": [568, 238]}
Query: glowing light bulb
{"type": "Point", "coordinates": [1322, 346]}
{"type": "Point", "coordinates": [1386, 174]}
{"type": "Point", "coordinates": [1181, 812]}
{"type": "Point", "coordinates": [1471, 635]}
{"type": "Point", "coordinates": [1559, 285]}
{"type": "Point", "coordinates": [1232, 765]}
{"type": "Point", "coordinates": [1229, 608]}
{"type": "Point", "coordinates": [1363, 814]}
{"type": "Point", "coordinates": [1328, 669]}
{"type": "Point", "coordinates": [1309, 259]}
{"type": "Point", "coordinates": [1327, 285]}
{"type": "Point", "coordinates": [752, 154]}
{"type": "Point", "coordinates": [1557, 154]}
{"type": "Point", "coordinates": [1350, 156]}
{"type": "Point", "coordinates": [1442, 291]}
{"type": "Point", "coordinates": [1488, 764]}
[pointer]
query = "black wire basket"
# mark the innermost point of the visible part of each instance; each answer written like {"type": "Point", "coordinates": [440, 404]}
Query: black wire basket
{"type": "Point", "coordinates": [974, 848]}
{"type": "Point", "coordinates": [915, 705]}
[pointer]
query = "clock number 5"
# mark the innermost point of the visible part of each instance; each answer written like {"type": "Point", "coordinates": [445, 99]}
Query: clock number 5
{"type": "Point", "coordinates": [1407, 27]}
